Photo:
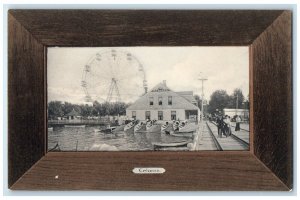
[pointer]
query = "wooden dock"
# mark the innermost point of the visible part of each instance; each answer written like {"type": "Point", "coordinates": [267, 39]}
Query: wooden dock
{"type": "Point", "coordinates": [209, 140]}
{"type": "Point", "coordinates": [206, 141]}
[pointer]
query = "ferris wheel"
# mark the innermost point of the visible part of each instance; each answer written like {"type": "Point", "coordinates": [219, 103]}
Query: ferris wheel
{"type": "Point", "coordinates": [113, 76]}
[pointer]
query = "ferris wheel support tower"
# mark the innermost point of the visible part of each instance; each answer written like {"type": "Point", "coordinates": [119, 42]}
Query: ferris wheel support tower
{"type": "Point", "coordinates": [113, 87]}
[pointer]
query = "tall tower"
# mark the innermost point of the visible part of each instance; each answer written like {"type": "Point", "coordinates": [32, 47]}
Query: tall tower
{"type": "Point", "coordinates": [113, 88]}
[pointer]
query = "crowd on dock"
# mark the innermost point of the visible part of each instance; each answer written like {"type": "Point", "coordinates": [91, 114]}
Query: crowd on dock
{"type": "Point", "coordinates": [224, 125]}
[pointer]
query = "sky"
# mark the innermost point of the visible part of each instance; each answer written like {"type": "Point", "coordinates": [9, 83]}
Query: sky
{"type": "Point", "coordinates": [224, 68]}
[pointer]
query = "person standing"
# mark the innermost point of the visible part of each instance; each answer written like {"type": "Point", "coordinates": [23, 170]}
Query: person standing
{"type": "Point", "coordinates": [228, 126]}
{"type": "Point", "coordinates": [237, 125]}
{"type": "Point", "coordinates": [220, 123]}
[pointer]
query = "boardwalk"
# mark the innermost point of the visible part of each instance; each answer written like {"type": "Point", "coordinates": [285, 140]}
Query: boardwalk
{"type": "Point", "coordinates": [209, 140]}
{"type": "Point", "coordinates": [206, 141]}
{"type": "Point", "coordinates": [243, 126]}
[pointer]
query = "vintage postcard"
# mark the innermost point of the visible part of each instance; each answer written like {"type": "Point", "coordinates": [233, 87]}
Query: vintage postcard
{"type": "Point", "coordinates": [148, 98]}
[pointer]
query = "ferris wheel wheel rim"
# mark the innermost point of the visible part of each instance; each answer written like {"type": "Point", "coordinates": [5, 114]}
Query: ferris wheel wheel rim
{"type": "Point", "coordinates": [125, 53]}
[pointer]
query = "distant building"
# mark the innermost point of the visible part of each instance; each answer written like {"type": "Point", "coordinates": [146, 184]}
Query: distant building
{"type": "Point", "coordinates": [73, 115]}
{"type": "Point", "coordinates": [163, 104]}
{"type": "Point", "coordinates": [244, 113]}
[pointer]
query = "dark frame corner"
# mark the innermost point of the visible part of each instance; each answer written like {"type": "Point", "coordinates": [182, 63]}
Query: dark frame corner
{"type": "Point", "coordinates": [268, 164]}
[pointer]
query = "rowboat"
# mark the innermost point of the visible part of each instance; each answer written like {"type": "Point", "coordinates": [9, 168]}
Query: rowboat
{"type": "Point", "coordinates": [148, 125]}
{"type": "Point", "coordinates": [181, 126]}
{"type": "Point", "coordinates": [119, 128]}
{"type": "Point", "coordinates": [108, 129]}
{"type": "Point", "coordinates": [168, 129]}
{"type": "Point", "coordinates": [188, 128]}
{"type": "Point", "coordinates": [168, 145]}
{"type": "Point", "coordinates": [175, 125]}
{"type": "Point", "coordinates": [129, 127]}
{"type": "Point", "coordinates": [178, 134]}
{"type": "Point", "coordinates": [164, 127]}
{"type": "Point", "coordinates": [139, 127]}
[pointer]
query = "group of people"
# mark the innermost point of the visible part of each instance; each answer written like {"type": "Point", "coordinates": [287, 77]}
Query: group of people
{"type": "Point", "coordinates": [224, 125]}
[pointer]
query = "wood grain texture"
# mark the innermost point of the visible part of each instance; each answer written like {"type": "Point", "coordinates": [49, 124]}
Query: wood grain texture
{"type": "Point", "coordinates": [272, 99]}
{"type": "Point", "coordinates": [187, 171]}
{"type": "Point", "coordinates": [32, 31]}
{"type": "Point", "coordinates": [145, 27]}
{"type": "Point", "coordinates": [26, 127]}
{"type": "Point", "coordinates": [251, 115]}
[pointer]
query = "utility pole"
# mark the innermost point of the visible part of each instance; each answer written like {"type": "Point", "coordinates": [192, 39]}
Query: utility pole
{"type": "Point", "coordinates": [198, 140]}
{"type": "Point", "coordinates": [202, 79]}
{"type": "Point", "coordinates": [237, 103]}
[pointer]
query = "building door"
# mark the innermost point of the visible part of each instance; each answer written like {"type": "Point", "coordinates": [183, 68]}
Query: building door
{"type": "Point", "coordinates": [191, 115]}
{"type": "Point", "coordinates": [147, 115]}
{"type": "Point", "coordinates": [160, 115]}
{"type": "Point", "coordinates": [173, 115]}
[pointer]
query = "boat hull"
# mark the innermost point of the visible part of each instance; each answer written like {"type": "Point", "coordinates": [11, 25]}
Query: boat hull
{"type": "Point", "coordinates": [119, 128]}
{"type": "Point", "coordinates": [170, 145]}
{"type": "Point", "coordinates": [141, 129]}
{"type": "Point", "coordinates": [188, 128]}
{"type": "Point", "coordinates": [186, 134]}
{"type": "Point", "coordinates": [129, 130]}
{"type": "Point", "coordinates": [154, 128]}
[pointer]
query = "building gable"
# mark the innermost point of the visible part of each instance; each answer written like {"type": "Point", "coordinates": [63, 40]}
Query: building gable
{"type": "Point", "coordinates": [162, 91]}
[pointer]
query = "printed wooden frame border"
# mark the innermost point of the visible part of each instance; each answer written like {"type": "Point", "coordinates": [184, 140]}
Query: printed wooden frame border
{"type": "Point", "coordinates": [267, 166]}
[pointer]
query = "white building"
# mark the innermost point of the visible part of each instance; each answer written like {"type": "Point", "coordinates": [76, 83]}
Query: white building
{"type": "Point", "coordinates": [244, 113]}
{"type": "Point", "coordinates": [162, 104]}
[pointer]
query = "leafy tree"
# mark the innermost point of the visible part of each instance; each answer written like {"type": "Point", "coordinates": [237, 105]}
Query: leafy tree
{"type": "Point", "coordinates": [198, 99]}
{"type": "Point", "coordinates": [96, 109]}
{"type": "Point", "coordinates": [86, 110]}
{"type": "Point", "coordinates": [236, 98]}
{"type": "Point", "coordinates": [55, 109]}
{"type": "Point", "coordinates": [67, 107]}
{"type": "Point", "coordinates": [218, 100]}
{"type": "Point", "coordinates": [77, 108]}
{"type": "Point", "coordinates": [246, 103]}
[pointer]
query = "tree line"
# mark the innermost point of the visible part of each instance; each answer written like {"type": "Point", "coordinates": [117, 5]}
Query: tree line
{"type": "Point", "coordinates": [59, 109]}
{"type": "Point", "coordinates": [219, 100]}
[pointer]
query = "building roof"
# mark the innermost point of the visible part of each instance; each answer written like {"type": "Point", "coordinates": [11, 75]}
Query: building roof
{"type": "Point", "coordinates": [73, 113]}
{"type": "Point", "coordinates": [161, 87]}
{"type": "Point", "coordinates": [189, 95]}
{"type": "Point", "coordinates": [161, 90]}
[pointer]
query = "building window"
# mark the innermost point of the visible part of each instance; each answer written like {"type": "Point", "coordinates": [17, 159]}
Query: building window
{"type": "Point", "coordinates": [170, 100]}
{"type": "Point", "coordinates": [160, 101]}
{"type": "Point", "coordinates": [151, 101]}
{"type": "Point", "coordinates": [173, 115]}
{"type": "Point", "coordinates": [160, 115]}
{"type": "Point", "coordinates": [134, 114]}
{"type": "Point", "coordinates": [147, 115]}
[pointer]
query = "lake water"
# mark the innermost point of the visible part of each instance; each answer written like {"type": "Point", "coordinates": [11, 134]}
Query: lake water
{"type": "Point", "coordinates": [89, 139]}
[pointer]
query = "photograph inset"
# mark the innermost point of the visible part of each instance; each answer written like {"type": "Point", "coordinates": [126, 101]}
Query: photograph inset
{"type": "Point", "coordinates": [148, 98]}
